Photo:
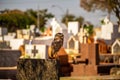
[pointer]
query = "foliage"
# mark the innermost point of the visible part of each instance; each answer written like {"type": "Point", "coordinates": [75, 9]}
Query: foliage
{"type": "Point", "coordinates": [102, 21]}
{"type": "Point", "coordinates": [70, 17]}
{"type": "Point", "coordinates": [89, 29]}
{"type": "Point", "coordinates": [43, 17]}
{"type": "Point", "coordinates": [80, 19]}
{"type": "Point", "coordinates": [104, 5]}
{"type": "Point", "coordinates": [16, 19]}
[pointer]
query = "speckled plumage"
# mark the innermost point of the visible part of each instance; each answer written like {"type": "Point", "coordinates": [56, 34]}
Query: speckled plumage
{"type": "Point", "coordinates": [57, 43]}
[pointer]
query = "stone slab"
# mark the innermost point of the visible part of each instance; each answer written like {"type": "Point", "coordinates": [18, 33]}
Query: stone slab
{"type": "Point", "coordinates": [8, 58]}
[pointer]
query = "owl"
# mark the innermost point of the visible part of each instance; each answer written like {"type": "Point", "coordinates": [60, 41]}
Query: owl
{"type": "Point", "coordinates": [57, 43]}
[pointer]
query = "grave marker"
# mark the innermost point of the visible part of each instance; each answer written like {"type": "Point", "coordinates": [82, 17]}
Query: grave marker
{"type": "Point", "coordinates": [73, 44]}
{"type": "Point", "coordinates": [34, 51]}
{"type": "Point", "coordinates": [107, 29]}
{"type": "Point", "coordinates": [42, 50]}
{"type": "Point", "coordinates": [16, 43]}
{"type": "Point", "coordinates": [37, 49]}
{"type": "Point", "coordinates": [56, 28]}
{"type": "Point", "coordinates": [116, 47]}
{"type": "Point", "coordinates": [73, 27]}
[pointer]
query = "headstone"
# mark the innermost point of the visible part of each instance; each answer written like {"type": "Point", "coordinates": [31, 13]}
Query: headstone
{"type": "Point", "coordinates": [56, 28]}
{"type": "Point", "coordinates": [32, 33]}
{"type": "Point", "coordinates": [3, 31]}
{"type": "Point", "coordinates": [28, 49]}
{"type": "Point", "coordinates": [40, 40]}
{"type": "Point", "coordinates": [12, 34]}
{"type": "Point", "coordinates": [19, 34]}
{"type": "Point", "coordinates": [90, 52]}
{"type": "Point", "coordinates": [66, 35]}
{"type": "Point", "coordinates": [8, 58]}
{"type": "Point", "coordinates": [82, 35]}
{"type": "Point", "coordinates": [88, 62]}
{"type": "Point", "coordinates": [37, 50]}
{"type": "Point", "coordinates": [16, 43]}
{"type": "Point", "coordinates": [98, 32]}
{"type": "Point", "coordinates": [43, 51]}
{"type": "Point", "coordinates": [8, 66]}
{"type": "Point", "coordinates": [34, 51]}
{"type": "Point", "coordinates": [116, 47]}
{"type": "Point", "coordinates": [103, 49]}
{"type": "Point", "coordinates": [107, 29]}
{"type": "Point", "coordinates": [73, 27]}
{"type": "Point", "coordinates": [4, 45]}
{"type": "Point", "coordinates": [25, 33]}
{"type": "Point", "coordinates": [114, 35]}
{"type": "Point", "coordinates": [73, 44]}
{"type": "Point", "coordinates": [8, 37]}
{"type": "Point", "coordinates": [65, 67]}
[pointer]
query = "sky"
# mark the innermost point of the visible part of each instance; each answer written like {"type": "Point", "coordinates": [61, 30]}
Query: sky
{"type": "Point", "coordinates": [59, 9]}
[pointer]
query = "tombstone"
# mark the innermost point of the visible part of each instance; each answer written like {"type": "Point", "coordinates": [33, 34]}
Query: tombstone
{"type": "Point", "coordinates": [43, 51]}
{"type": "Point", "coordinates": [3, 31]}
{"type": "Point", "coordinates": [116, 47]}
{"type": "Point", "coordinates": [4, 45]}
{"type": "Point", "coordinates": [28, 50]}
{"type": "Point", "coordinates": [16, 43]}
{"type": "Point", "coordinates": [8, 38]}
{"type": "Point", "coordinates": [73, 27]}
{"type": "Point", "coordinates": [19, 34]}
{"type": "Point", "coordinates": [97, 32]}
{"type": "Point", "coordinates": [65, 33]}
{"type": "Point", "coordinates": [12, 34]}
{"type": "Point", "coordinates": [82, 35]}
{"type": "Point", "coordinates": [65, 66]}
{"type": "Point", "coordinates": [34, 32]}
{"type": "Point", "coordinates": [56, 28]}
{"type": "Point", "coordinates": [116, 51]}
{"type": "Point", "coordinates": [25, 33]}
{"type": "Point", "coordinates": [102, 47]}
{"type": "Point", "coordinates": [88, 62]}
{"type": "Point", "coordinates": [107, 29]}
{"type": "Point", "coordinates": [73, 44]}
{"type": "Point", "coordinates": [8, 67]}
{"type": "Point", "coordinates": [37, 51]}
{"type": "Point", "coordinates": [40, 40]}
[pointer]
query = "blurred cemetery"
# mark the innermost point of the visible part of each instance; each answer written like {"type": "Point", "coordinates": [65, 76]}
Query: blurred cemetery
{"type": "Point", "coordinates": [87, 50]}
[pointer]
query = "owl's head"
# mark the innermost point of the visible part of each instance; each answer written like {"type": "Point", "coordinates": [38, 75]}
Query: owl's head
{"type": "Point", "coordinates": [59, 36]}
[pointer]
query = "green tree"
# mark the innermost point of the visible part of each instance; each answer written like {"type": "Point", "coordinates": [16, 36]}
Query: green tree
{"type": "Point", "coordinates": [80, 19]}
{"type": "Point", "coordinates": [14, 19]}
{"type": "Point", "coordinates": [89, 29]}
{"type": "Point", "coordinates": [43, 17]}
{"type": "Point", "coordinates": [68, 17]}
{"type": "Point", "coordinates": [104, 5]}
